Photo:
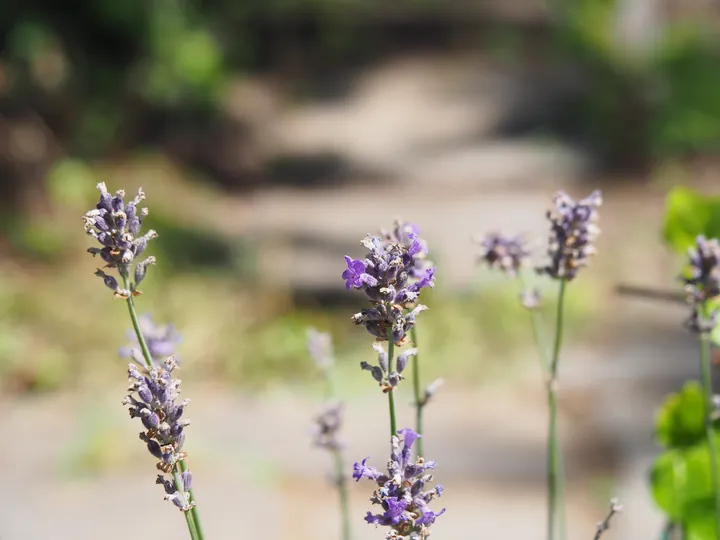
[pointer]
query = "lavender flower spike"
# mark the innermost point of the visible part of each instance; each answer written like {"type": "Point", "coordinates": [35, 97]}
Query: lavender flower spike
{"type": "Point", "coordinates": [161, 341]}
{"type": "Point", "coordinates": [385, 277]}
{"type": "Point", "coordinates": [153, 399]}
{"type": "Point", "coordinates": [320, 347]}
{"type": "Point", "coordinates": [402, 495]}
{"type": "Point", "coordinates": [573, 230]}
{"type": "Point", "coordinates": [503, 253]}
{"type": "Point", "coordinates": [116, 225]}
{"type": "Point", "coordinates": [702, 284]}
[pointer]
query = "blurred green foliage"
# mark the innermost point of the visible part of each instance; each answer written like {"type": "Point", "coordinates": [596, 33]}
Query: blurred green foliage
{"type": "Point", "coordinates": [660, 103]}
{"type": "Point", "coordinates": [680, 476]}
{"type": "Point", "coordinates": [689, 214]}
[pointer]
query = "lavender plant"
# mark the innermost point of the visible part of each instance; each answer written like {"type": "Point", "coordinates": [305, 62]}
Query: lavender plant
{"type": "Point", "coordinates": [384, 276]}
{"type": "Point", "coordinates": [329, 421]}
{"type": "Point", "coordinates": [392, 276]}
{"type": "Point", "coordinates": [402, 492]}
{"type": "Point", "coordinates": [573, 230]}
{"type": "Point", "coordinates": [702, 284]}
{"type": "Point", "coordinates": [154, 391]}
{"type": "Point", "coordinates": [405, 234]}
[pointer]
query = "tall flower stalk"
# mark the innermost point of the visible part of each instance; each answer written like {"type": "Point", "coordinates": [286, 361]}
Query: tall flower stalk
{"type": "Point", "coordinates": [572, 232]}
{"type": "Point", "coordinates": [329, 422]}
{"type": "Point", "coordinates": [153, 392]}
{"type": "Point", "coordinates": [392, 276]}
{"type": "Point", "coordinates": [407, 234]}
{"type": "Point", "coordinates": [702, 284]}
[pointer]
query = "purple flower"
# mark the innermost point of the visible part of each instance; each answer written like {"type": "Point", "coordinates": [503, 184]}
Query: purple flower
{"type": "Point", "coordinates": [360, 470]}
{"type": "Point", "coordinates": [116, 227]}
{"type": "Point", "coordinates": [320, 347]}
{"type": "Point", "coordinates": [503, 253]}
{"type": "Point", "coordinates": [702, 283]}
{"type": "Point", "coordinates": [573, 230]}
{"type": "Point", "coordinates": [402, 492]}
{"type": "Point", "coordinates": [355, 275]}
{"type": "Point", "coordinates": [153, 398]}
{"type": "Point", "coordinates": [388, 277]}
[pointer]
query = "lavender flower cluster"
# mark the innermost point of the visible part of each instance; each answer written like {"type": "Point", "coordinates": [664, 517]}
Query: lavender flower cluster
{"type": "Point", "coordinates": [116, 227]}
{"type": "Point", "coordinates": [392, 275]}
{"type": "Point", "coordinates": [402, 492]}
{"type": "Point", "coordinates": [573, 230]}
{"type": "Point", "coordinates": [702, 284]}
{"type": "Point", "coordinates": [157, 408]}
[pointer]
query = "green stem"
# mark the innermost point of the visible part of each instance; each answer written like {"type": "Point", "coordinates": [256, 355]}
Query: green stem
{"type": "Point", "coordinates": [192, 527]}
{"type": "Point", "coordinates": [192, 517]}
{"type": "Point", "coordinates": [340, 478]}
{"type": "Point", "coordinates": [391, 396]}
{"type": "Point", "coordinates": [555, 487]}
{"type": "Point", "coordinates": [538, 334]}
{"type": "Point", "coordinates": [418, 396]}
{"type": "Point", "coordinates": [709, 432]}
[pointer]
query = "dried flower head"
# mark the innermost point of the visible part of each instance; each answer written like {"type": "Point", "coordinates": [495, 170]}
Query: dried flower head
{"type": "Point", "coordinates": [153, 399]}
{"type": "Point", "coordinates": [320, 347]}
{"type": "Point", "coordinates": [573, 229]}
{"type": "Point", "coordinates": [116, 227]}
{"type": "Point", "coordinates": [402, 492]}
{"type": "Point", "coordinates": [161, 341]}
{"type": "Point", "coordinates": [384, 276]}
{"type": "Point", "coordinates": [502, 253]}
{"type": "Point", "coordinates": [702, 284]}
{"type": "Point", "coordinates": [327, 426]}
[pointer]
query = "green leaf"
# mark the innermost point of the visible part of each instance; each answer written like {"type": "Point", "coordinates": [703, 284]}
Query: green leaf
{"type": "Point", "coordinates": [680, 482]}
{"type": "Point", "coordinates": [680, 421]}
{"type": "Point", "coordinates": [689, 214]}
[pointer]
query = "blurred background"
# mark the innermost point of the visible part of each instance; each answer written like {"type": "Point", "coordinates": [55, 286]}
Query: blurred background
{"type": "Point", "coordinates": [270, 137]}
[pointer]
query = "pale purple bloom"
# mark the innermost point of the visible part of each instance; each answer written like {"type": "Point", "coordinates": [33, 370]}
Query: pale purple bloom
{"type": "Point", "coordinates": [327, 426]}
{"type": "Point", "coordinates": [702, 283]}
{"type": "Point", "coordinates": [157, 407]}
{"type": "Point", "coordinates": [402, 493]}
{"type": "Point", "coordinates": [116, 227]}
{"type": "Point", "coordinates": [320, 347]}
{"type": "Point", "coordinates": [573, 230]}
{"type": "Point", "coordinates": [503, 253]}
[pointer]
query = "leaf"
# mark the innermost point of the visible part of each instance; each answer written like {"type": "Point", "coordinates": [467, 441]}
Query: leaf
{"type": "Point", "coordinates": [680, 421]}
{"type": "Point", "coordinates": [687, 215]}
{"type": "Point", "coordinates": [680, 482]}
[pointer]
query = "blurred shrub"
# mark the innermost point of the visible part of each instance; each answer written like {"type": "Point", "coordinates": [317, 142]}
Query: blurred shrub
{"type": "Point", "coordinates": [680, 476]}
{"type": "Point", "coordinates": [635, 108]}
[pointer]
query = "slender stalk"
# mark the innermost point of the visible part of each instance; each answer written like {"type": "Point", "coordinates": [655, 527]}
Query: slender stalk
{"type": "Point", "coordinates": [391, 396]}
{"type": "Point", "coordinates": [555, 487]}
{"type": "Point", "coordinates": [188, 516]}
{"type": "Point", "coordinates": [419, 406]}
{"type": "Point", "coordinates": [192, 517]}
{"type": "Point", "coordinates": [709, 431]}
{"type": "Point", "coordinates": [538, 332]}
{"type": "Point", "coordinates": [340, 478]}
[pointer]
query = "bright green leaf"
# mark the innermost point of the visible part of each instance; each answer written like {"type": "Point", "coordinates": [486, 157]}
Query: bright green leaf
{"type": "Point", "coordinates": [689, 214]}
{"type": "Point", "coordinates": [680, 421]}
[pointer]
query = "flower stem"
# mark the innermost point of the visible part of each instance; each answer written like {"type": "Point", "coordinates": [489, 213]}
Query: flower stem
{"type": "Point", "coordinates": [340, 477]}
{"type": "Point", "coordinates": [418, 397]}
{"type": "Point", "coordinates": [709, 432]}
{"type": "Point", "coordinates": [192, 517]}
{"type": "Point", "coordinates": [192, 527]}
{"type": "Point", "coordinates": [555, 487]}
{"type": "Point", "coordinates": [391, 395]}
